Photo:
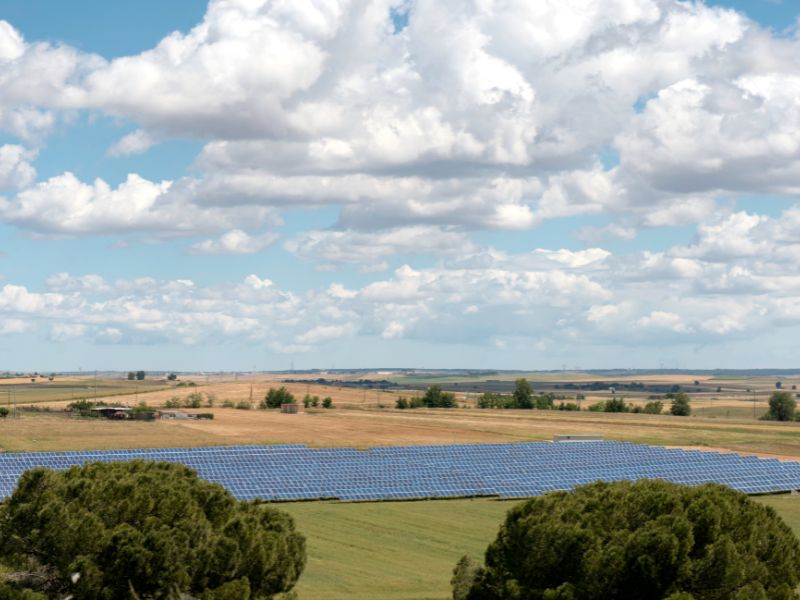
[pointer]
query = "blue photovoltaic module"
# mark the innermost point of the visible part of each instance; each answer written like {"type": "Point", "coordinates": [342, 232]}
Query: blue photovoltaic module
{"type": "Point", "coordinates": [518, 470]}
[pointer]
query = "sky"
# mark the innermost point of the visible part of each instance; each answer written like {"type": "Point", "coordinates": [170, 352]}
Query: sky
{"type": "Point", "coordinates": [268, 184]}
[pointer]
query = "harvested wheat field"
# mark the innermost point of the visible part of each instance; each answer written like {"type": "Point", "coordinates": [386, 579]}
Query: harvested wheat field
{"type": "Point", "coordinates": [371, 427]}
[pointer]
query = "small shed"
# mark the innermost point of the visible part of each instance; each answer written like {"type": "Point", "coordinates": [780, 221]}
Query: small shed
{"type": "Point", "coordinates": [291, 408]}
{"type": "Point", "coordinates": [173, 414]}
{"type": "Point", "coordinates": [112, 412]}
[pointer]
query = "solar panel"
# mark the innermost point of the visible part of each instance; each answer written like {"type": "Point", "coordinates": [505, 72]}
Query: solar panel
{"type": "Point", "coordinates": [295, 472]}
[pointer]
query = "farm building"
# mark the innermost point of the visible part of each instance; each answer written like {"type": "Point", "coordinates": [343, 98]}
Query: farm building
{"type": "Point", "coordinates": [112, 412]}
{"type": "Point", "coordinates": [175, 414]}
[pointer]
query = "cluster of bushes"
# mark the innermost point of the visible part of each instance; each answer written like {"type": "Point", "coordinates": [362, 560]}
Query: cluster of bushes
{"type": "Point", "coordinates": [568, 406]}
{"type": "Point", "coordinates": [539, 401]}
{"type": "Point", "coordinates": [186, 384]}
{"type": "Point", "coordinates": [3, 412]}
{"type": "Point", "coordinates": [524, 397]}
{"type": "Point", "coordinates": [403, 403]}
{"type": "Point", "coordinates": [314, 401]}
{"type": "Point", "coordinates": [84, 406]}
{"type": "Point", "coordinates": [434, 397]}
{"type": "Point", "coordinates": [618, 405]}
{"type": "Point", "coordinates": [679, 407]}
{"type": "Point", "coordinates": [193, 400]}
{"type": "Point", "coordinates": [241, 405]}
{"type": "Point", "coordinates": [142, 409]}
{"type": "Point", "coordinates": [276, 397]}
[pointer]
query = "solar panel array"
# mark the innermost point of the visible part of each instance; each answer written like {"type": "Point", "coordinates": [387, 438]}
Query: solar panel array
{"type": "Point", "coordinates": [297, 472]}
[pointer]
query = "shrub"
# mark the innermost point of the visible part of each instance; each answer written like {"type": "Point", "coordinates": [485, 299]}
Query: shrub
{"type": "Point", "coordinates": [84, 407]}
{"type": "Point", "coordinates": [568, 406]}
{"type": "Point", "coordinates": [401, 403]}
{"type": "Point", "coordinates": [648, 539]}
{"type": "Point", "coordinates": [680, 405]}
{"type": "Point", "coordinates": [416, 403]}
{"type": "Point", "coordinates": [315, 401]}
{"type": "Point", "coordinates": [327, 403]}
{"type": "Point", "coordinates": [142, 408]}
{"type": "Point", "coordinates": [194, 400]}
{"type": "Point", "coordinates": [615, 405]}
{"type": "Point", "coordinates": [544, 402]}
{"type": "Point", "coordinates": [781, 406]}
{"type": "Point", "coordinates": [3, 412]}
{"type": "Point", "coordinates": [244, 405]}
{"type": "Point", "coordinates": [275, 398]}
{"type": "Point", "coordinates": [307, 400]}
{"type": "Point", "coordinates": [228, 403]}
{"type": "Point", "coordinates": [173, 402]}
{"type": "Point", "coordinates": [612, 405]}
{"type": "Point", "coordinates": [653, 408]}
{"type": "Point", "coordinates": [211, 400]}
{"type": "Point", "coordinates": [463, 576]}
{"type": "Point", "coordinates": [154, 529]}
{"type": "Point", "coordinates": [490, 400]}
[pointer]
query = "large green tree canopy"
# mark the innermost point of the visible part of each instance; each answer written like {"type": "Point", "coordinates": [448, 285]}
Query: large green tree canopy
{"type": "Point", "coordinates": [104, 530]}
{"type": "Point", "coordinates": [649, 539]}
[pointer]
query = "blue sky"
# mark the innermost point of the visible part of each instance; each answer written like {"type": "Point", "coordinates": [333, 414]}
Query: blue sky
{"type": "Point", "coordinates": [251, 184]}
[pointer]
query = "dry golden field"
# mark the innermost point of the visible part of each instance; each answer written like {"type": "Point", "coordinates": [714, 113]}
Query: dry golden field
{"type": "Point", "coordinates": [369, 426]}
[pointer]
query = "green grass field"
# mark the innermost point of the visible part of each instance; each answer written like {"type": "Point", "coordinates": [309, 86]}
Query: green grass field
{"type": "Point", "coordinates": [390, 550]}
{"type": "Point", "coordinates": [407, 550]}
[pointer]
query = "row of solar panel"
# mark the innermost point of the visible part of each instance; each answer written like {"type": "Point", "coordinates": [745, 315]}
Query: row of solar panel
{"type": "Point", "coordinates": [507, 470]}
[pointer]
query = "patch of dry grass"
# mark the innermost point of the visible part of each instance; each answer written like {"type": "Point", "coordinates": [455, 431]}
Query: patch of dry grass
{"type": "Point", "coordinates": [372, 427]}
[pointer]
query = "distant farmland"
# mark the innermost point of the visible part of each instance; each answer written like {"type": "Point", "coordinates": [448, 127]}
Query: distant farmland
{"type": "Point", "coordinates": [24, 391]}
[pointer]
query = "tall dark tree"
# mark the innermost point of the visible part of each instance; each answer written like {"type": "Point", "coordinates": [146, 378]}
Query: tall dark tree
{"type": "Point", "coordinates": [99, 531]}
{"type": "Point", "coordinates": [649, 539]}
{"type": "Point", "coordinates": [523, 394]}
{"type": "Point", "coordinates": [140, 375]}
{"type": "Point", "coordinates": [782, 406]}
